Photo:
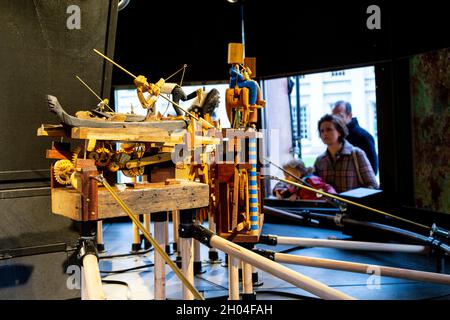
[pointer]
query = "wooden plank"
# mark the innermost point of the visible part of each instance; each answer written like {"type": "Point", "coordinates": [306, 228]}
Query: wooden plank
{"type": "Point", "coordinates": [51, 130]}
{"type": "Point", "coordinates": [156, 198]}
{"type": "Point", "coordinates": [58, 154]}
{"type": "Point", "coordinates": [122, 134]}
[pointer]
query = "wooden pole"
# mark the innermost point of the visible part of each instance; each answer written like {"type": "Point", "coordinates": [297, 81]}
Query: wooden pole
{"type": "Point", "coordinates": [147, 222]}
{"type": "Point", "coordinates": [353, 245]}
{"type": "Point", "coordinates": [136, 246]}
{"type": "Point", "coordinates": [92, 280]}
{"type": "Point", "coordinates": [212, 252]}
{"type": "Point", "coordinates": [253, 187]}
{"type": "Point", "coordinates": [175, 223]}
{"type": "Point", "coordinates": [233, 278]}
{"type": "Point", "coordinates": [100, 244]}
{"type": "Point", "coordinates": [187, 251]}
{"type": "Point", "coordinates": [160, 265]}
{"type": "Point", "coordinates": [278, 270]}
{"type": "Point", "coordinates": [187, 264]}
{"type": "Point", "coordinates": [166, 233]}
{"type": "Point", "coordinates": [363, 268]}
{"type": "Point", "coordinates": [147, 226]}
{"type": "Point", "coordinates": [235, 207]}
{"type": "Point", "coordinates": [247, 281]}
{"type": "Point", "coordinates": [197, 257]}
{"type": "Point", "coordinates": [136, 238]}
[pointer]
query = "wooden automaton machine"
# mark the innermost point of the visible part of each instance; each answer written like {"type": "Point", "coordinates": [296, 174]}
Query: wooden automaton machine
{"type": "Point", "coordinates": [237, 189]}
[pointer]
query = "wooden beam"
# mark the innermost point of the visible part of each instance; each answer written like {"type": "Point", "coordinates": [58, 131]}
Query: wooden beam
{"type": "Point", "coordinates": [122, 134]}
{"type": "Point", "coordinates": [156, 197]}
{"type": "Point", "coordinates": [51, 130]}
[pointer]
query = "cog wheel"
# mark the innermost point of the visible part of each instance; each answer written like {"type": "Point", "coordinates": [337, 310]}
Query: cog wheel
{"type": "Point", "coordinates": [76, 153]}
{"type": "Point", "coordinates": [121, 158]}
{"type": "Point", "coordinates": [133, 172]}
{"type": "Point", "coordinates": [102, 156]}
{"type": "Point", "coordinates": [62, 170]}
{"type": "Point", "coordinates": [139, 150]}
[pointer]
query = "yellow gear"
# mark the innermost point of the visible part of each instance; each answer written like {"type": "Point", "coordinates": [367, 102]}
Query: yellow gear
{"type": "Point", "coordinates": [62, 170]}
{"type": "Point", "coordinates": [102, 156]}
{"type": "Point", "coordinates": [75, 153]}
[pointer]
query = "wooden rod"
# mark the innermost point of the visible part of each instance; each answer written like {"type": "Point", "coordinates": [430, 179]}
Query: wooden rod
{"type": "Point", "coordinates": [175, 223]}
{"type": "Point", "coordinates": [147, 222]}
{"type": "Point", "coordinates": [211, 226]}
{"type": "Point", "coordinates": [99, 232]}
{"type": "Point", "coordinates": [187, 264]}
{"type": "Point", "coordinates": [233, 278]}
{"type": "Point", "coordinates": [197, 257]}
{"type": "Point", "coordinates": [92, 279]}
{"type": "Point", "coordinates": [160, 265]}
{"type": "Point", "coordinates": [136, 236]}
{"type": "Point", "coordinates": [166, 230]}
{"type": "Point", "coordinates": [247, 281]}
{"type": "Point", "coordinates": [278, 270]}
{"type": "Point", "coordinates": [353, 245]}
{"type": "Point", "coordinates": [363, 268]}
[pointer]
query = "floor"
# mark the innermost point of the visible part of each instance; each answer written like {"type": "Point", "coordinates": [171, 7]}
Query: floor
{"type": "Point", "coordinates": [137, 284]}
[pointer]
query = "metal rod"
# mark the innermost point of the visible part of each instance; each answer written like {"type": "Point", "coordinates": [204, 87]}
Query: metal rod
{"type": "Point", "coordinates": [183, 67]}
{"type": "Point", "coordinates": [203, 121]}
{"type": "Point", "coordinates": [114, 63]}
{"type": "Point", "coordinates": [93, 92]}
{"type": "Point", "coordinates": [350, 202]}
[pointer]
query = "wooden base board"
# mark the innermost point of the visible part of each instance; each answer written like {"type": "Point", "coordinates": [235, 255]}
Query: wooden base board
{"type": "Point", "coordinates": [156, 197]}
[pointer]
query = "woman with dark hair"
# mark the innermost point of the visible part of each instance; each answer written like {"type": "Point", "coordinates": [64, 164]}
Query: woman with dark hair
{"type": "Point", "coordinates": [342, 165]}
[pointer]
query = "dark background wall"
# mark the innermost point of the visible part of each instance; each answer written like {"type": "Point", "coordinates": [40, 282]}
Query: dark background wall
{"type": "Point", "coordinates": [39, 55]}
{"type": "Point", "coordinates": [430, 104]}
{"type": "Point", "coordinates": [156, 38]}
{"type": "Point", "coordinates": [287, 37]}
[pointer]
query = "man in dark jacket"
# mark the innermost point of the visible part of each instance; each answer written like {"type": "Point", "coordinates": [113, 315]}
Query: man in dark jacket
{"type": "Point", "coordinates": [357, 136]}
